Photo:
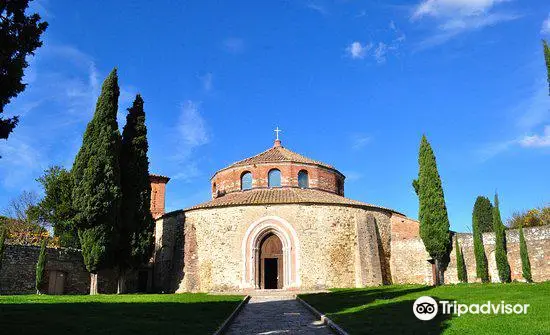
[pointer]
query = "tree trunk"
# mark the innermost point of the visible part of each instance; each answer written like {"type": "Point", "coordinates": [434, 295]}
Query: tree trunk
{"type": "Point", "coordinates": [93, 283]}
{"type": "Point", "coordinates": [121, 283]}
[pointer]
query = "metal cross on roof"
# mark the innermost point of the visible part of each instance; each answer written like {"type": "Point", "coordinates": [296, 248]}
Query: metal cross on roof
{"type": "Point", "coordinates": [277, 130]}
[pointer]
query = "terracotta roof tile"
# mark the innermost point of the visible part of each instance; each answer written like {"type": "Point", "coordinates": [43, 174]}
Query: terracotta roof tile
{"type": "Point", "coordinates": [277, 155]}
{"type": "Point", "coordinates": [282, 196]}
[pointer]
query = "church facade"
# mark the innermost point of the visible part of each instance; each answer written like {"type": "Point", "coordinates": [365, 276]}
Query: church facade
{"type": "Point", "coordinates": [277, 220]}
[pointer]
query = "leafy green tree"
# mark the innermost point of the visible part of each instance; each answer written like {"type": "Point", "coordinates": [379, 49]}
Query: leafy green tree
{"type": "Point", "coordinates": [547, 59]}
{"type": "Point", "coordinates": [19, 38]}
{"type": "Point", "coordinates": [482, 219]}
{"type": "Point", "coordinates": [501, 258]}
{"type": "Point", "coordinates": [3, 234]}
{"type": "Point", "coordinates": [460, 266]}
{"type": "Point", "coordinates": [525, 263]}
{"type": "Point", "coordinates": [96, 175]}
{"type": "Point", "coordinates": [136, 224]}
{"type": "Point", "coordinates": [40, 267]}
{"type": "Point", "coordinates": [56, 208]}
{"type": "Point", "coordinates": [531, 218]}
{"type": "Point", "coordinates": [434, 221]}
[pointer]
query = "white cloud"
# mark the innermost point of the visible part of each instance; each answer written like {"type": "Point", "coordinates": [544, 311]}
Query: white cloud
{"type": "Point", "coordinates": [453, 8]}
{"type": "Point", "coordinates": [378, 50]}
{"type": "Point", "coordinates": [358, 51]}
{"type": "Point", "coordinates": [454, 17]}
{"type": "Point", "coordinates": [545, 29]}
{"type": "Point", "coordinates": [234, 45]}
{"type": "Point", "coordinates": [191, 130]}
{"type": "Point", "coordinates": [359, 141]}
{"type": "Point", "coordinates": [380, 53]}
{"type": "Point", "coordinates": [206, 81]}
{"type": "Point", "coordinates": [318, 8]}
{"type": "Point", "coordinates": [537, 141]}
{"type": "Point", "coordinates": [20, 160]}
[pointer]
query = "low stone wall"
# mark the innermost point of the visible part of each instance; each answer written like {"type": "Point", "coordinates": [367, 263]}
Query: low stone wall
{"type": "Point", "coordinates": [409, 262]}
{"type": "Point", "coordinates": [538, 246]}
{"type": "Point", "coordinates": [18, 271]}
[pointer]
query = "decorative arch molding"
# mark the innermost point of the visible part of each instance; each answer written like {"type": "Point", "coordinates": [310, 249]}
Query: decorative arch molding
{"type": "Point", "coordinates": [251, 248]}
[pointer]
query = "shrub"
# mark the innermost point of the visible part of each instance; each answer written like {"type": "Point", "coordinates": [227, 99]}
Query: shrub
{"type": "Point", "coordinates": [40, 267]}
{"type": "Point", "coordinates": [460, 266]}
{"type": "Point", "coordinates": [525, 264]}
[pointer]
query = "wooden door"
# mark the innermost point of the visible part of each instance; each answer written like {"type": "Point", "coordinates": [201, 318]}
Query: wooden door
{"type": "Point", "coordinates": [56, 284]}
{"type": "Point", "coordinates": [271, 263]}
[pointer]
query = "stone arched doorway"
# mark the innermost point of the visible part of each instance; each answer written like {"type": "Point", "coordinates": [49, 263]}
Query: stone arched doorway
{"type": "Point", "coordinates": [270, 265]}
{"type": "Point", "coordinates": [270, 247]}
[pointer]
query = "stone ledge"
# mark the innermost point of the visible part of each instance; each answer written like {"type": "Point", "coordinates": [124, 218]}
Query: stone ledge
{"type": "Point", "coordinates": [231, 317]}
{"type": "Point", "coordinates": [325, 319]}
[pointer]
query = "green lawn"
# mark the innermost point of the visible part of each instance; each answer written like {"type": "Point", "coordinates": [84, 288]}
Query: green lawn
{"type": "Point", "coordinates": [115, 314]}
{"type": "Point", "coordinates": [388, 309]}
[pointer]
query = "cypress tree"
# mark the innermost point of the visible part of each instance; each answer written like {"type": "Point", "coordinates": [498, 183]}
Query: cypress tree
{"type": "Point", "coordinates": [136, 224]}
{"type": "Point", "coordinates": [525, 264]}
{"type": "Point", "coordinates": [3, 234]}
{"type": "Point", "coordinates": [501, 258]}
{"type": "Point", "coordinates": [96, 175]}
{"type": "Point", "coordinates": [40, 267]}
{"type": "Point", "coordinates": [460, 266]}
{"type": "Point", "coordinates": [434, 221]}
{"type": "Point", "coordinates": [482, 217]}
{"type": "Point", "coordinates": [547, 59]}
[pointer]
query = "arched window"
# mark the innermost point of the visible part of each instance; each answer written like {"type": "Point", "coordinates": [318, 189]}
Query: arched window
{"type": "Point", "coordinates": [213, 187]}
{"type": "Point", "coordinates": [246, 181]}
{"type": "Point", "coordinates": [303, 179]}
{"type": "Point", "coordinates": [274, 178]}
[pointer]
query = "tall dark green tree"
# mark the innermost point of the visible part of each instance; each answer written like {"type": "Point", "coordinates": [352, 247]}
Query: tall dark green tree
{"type": "Point", "coordinates": [434, 221]}
{"type": "Point", "coordinates": [501, 257]}
{"type": "Point", "coordinates": [460, 265]}
{"type": "Point", "coordinates": [482, 221]}
{"type": "Point", "coordinates": [3, 234]}
{"type": "Point", "coordinates": [136, 224]}
{"type": "Point", "coordinates": [56, 208]}
{"type": "Point", "coordinates": [40, 265]}
{"type": "Point", "coordinates": [19, 38]}
{"type": "Point", "coordinates": [524, 253]}
{"type": "Point", "coordinates": [97, 192]}
{"type": "Point", "coordinates": [547, 59]}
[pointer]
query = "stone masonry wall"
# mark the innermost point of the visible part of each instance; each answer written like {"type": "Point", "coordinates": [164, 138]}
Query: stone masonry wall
{"type": "Point", "coordinates": [409, 262]}
{"type": "Point", "coordinates": [18, 272]}
{"type": "Point", "coordinates": [538, 246]}
{"type": "Point", "coordinates": [327, 235]}
{"type": "Point", "coordinates": [409, 259]}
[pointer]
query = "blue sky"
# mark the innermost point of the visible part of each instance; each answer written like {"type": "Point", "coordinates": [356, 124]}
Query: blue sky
{"type": "Point", "coordinates": [351, 83]}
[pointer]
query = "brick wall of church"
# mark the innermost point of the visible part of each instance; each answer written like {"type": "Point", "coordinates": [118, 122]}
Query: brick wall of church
{"type": "Point", "coordinates": [229, 180]}
{"type": "Point", "coordinates": [158, 194]}
{"type": "Point", "coordinates": [336, 244]}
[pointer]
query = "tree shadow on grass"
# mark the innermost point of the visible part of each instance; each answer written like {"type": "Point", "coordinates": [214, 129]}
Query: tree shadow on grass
{"type": "Point", "coordinates": [115, 318]}
{"type": "Point", "coordinates": [391, 318]}
{"type": "Point", "coordinates": [341, 299]}
{"type": "Point", "coordinates": [371, 310]}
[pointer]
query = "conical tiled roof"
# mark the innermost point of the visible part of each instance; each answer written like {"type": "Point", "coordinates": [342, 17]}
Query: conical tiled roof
{"type": "Point", "coordinates": [278, 154]}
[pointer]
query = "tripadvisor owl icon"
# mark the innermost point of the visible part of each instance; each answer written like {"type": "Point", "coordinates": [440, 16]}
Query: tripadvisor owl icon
{"type": "Point", "coordinates": [425, 308]}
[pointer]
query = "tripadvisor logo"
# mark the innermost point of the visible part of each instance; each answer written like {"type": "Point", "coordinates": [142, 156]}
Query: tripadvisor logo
{"type": "Point", "coordinates": [426, 308]}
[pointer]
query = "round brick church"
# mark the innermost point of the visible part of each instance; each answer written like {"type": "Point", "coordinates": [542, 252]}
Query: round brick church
{"type": "Point", "coordinates": [277, 220]}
